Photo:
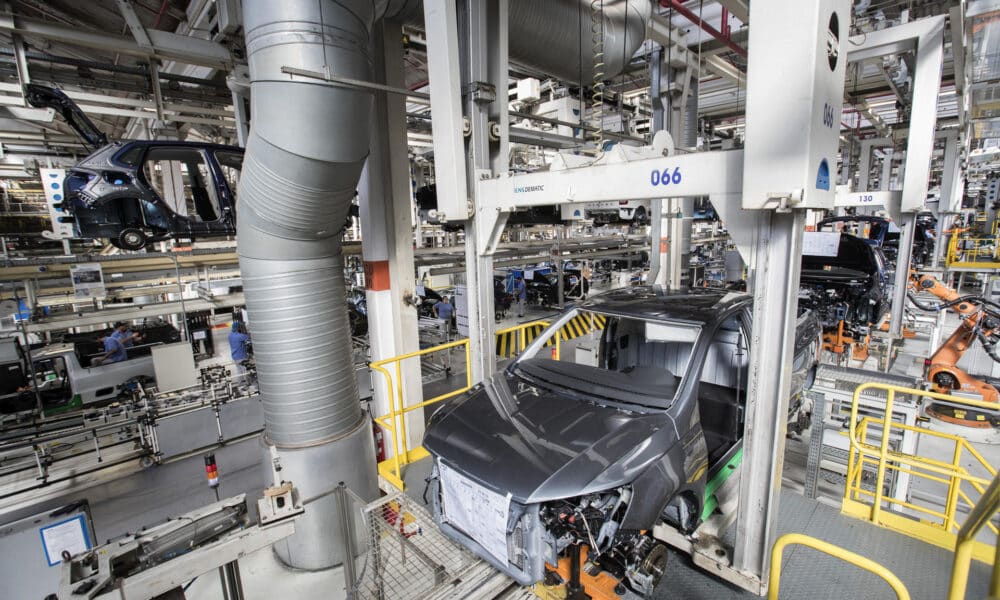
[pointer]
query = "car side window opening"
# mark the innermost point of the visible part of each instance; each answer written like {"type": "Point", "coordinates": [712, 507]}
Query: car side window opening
{"type": "Point", "coordinates": [231, 163]}
{"type": "Point", "coordinates": [132, 156]}
{"type": "Point", "coordinates": [181, 177]}
{"type": "Point", "coordinates": [722, 386]}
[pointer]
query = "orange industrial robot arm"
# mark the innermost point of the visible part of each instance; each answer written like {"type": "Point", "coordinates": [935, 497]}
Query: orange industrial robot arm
{"type": "Point", "coordinates": [931, 284]}
{"type": "Point", "coordinates": [980, 322]}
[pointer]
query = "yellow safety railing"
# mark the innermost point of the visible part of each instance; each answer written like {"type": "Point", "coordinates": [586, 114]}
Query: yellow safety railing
{"type": "Point", "coordinates": [394, 422]}
{"type": "Point", "coordinates": [972, 251]}
{"type": "Point", "coordinates": [965, 546]}
{"type": "Point", "coordinates": [938, 527]}
{"type": "Point", "coordinates": [774, 581]}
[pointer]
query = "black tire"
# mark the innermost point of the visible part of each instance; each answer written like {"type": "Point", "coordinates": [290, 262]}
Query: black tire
{"type": "Point", "coordinates": [640, 217]}
{"type": "Point", "coordinates": [131, 239]}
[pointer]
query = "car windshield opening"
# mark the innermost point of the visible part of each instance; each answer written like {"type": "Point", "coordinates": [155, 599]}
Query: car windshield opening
{"type": "Point", "coordinates": [612, 358]}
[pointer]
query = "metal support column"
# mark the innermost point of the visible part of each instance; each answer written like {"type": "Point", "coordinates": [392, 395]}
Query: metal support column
{"type": "Point", "coordinates": [482, 28]}
{"type": "Point", "coordinates": [21, 62]}
{"type": "Point", "coordinates": [907, 225]}
{"type": "Point", "coordinates": [775, 283]}
{"type": "Point", "coordinates": [682, 212]}
{"type": "Point", "coordinates": [387, 232]}
{"type": "Point", "coordinates": [557, 256]}
{"type": "Point", "coordinates": [658, 73]}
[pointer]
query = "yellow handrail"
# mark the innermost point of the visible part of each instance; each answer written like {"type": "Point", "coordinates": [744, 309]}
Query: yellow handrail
{"type": "Point", "coordinates": [952, 474]}
{"type": "Point", "coordinates": [774, 580]}
{"type": "Point", "coordinates": [394, 422]}
{"type": "Point", "coordinates": [974, 251]}
{"type": "Point", "coordinates": [965, 544]}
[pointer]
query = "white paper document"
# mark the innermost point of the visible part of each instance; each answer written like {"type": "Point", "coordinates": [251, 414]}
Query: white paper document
{"type": "Point", "coordinates": [68, 535]}
{"type": "Point", "coordinates": [820, 243]}
{"type": "Point", "coordinates": [480, 513]}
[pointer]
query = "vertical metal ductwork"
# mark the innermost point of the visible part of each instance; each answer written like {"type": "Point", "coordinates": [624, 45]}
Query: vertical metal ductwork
{"type": "Point", "coordinates": [307, 145]}
{"type": "Point", "coordinates": [306, 148]}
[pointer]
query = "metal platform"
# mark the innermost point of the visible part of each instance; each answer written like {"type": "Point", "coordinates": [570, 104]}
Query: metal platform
{"type": "Point", "coordinates": [925, 569]}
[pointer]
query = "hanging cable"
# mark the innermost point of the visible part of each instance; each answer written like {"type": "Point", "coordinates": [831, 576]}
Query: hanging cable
{"type": "Point", "coordinates": [625, 61]}
{"type": "Point", "coordinates": [597, 87]}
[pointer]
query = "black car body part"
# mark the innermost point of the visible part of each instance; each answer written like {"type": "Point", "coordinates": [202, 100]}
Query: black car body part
{"type": "Point", "coordinates": [119, 192]}
{"type": "Point", "coordinates": [850, 287]}
{"type": "Point", "coordinates": [549, 454]}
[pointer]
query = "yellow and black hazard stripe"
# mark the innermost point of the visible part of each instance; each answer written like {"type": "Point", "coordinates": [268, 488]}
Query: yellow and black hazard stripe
{"type": "Point", "coordinates": [508, 342]}
{"type": "Point", "coordinates": [581, 325]}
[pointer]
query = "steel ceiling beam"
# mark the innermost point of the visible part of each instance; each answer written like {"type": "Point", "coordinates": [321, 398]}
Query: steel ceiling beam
{"type": "Point", "coordinates": [15, 101]}
{"type": "Point", "coordinates": [738, 8]}
{"type": "Point", "coordinates": [686, 12]}
{"type": "Point", "coordinates": [165, 45]}
{"type": "Point", "coordinates": [134, 24]}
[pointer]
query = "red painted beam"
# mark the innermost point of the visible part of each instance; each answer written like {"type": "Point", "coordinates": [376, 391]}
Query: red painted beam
{"type": "Point", "coordinates": [680, 8]}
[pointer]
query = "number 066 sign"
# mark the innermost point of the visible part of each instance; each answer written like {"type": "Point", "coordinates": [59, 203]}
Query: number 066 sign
{"type": "Point", "coordinates": [665, 176]}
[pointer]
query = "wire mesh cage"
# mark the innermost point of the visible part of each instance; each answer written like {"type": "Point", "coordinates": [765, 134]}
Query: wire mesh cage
{"type": "Point", "coordinates": [406, 556]}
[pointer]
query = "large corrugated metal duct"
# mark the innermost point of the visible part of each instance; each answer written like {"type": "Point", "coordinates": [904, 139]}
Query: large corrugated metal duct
{"type": "Point", "coordinates": [307, 145]}
{"type": "Point", "coordinates": [555, 36]}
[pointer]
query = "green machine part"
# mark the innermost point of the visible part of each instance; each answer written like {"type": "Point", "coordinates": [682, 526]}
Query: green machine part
{"type": "Point", "coordinates": [723, 475]}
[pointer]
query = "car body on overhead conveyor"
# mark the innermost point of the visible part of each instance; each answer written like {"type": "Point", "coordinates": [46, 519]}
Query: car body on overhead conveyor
{"type": "Point", "coordinates": [135, 192]}
{"type": "Point", "coordinates": [600, 443]}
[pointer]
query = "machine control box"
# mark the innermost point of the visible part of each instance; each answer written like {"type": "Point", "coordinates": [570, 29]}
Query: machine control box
{"type": "Point", "coordinates": [795, 78]}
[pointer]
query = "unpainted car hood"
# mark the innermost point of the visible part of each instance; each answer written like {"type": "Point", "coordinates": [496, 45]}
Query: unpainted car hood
{"type": "Point", "coordinates": [540, 446]}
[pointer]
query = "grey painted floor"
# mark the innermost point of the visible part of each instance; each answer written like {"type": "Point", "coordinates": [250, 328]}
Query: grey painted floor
{"type": "Point", "coordinates": [924, 569]}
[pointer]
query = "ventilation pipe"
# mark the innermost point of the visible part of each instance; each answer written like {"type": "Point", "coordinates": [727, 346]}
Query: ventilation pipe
{"type": "Point", "coordinates": [306, 148]}
{"type": "Point", "coordinates": [304, 155]}
{"type": "Point", "coordinates": [557, 36]}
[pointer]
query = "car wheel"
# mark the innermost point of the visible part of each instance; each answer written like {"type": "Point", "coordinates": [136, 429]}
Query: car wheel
{"type": "Point", "coordinates": [132, 239]}
{"type": "Point", "coordinates": [640, 216]}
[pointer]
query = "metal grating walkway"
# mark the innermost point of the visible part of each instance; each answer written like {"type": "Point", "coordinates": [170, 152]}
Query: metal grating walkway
{"type": "Point", "coordinates": [925, 569]}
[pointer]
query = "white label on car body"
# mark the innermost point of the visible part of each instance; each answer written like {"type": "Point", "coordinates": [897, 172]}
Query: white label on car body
{"type": "Point", "coordinates": [821, 243]}
{"type": "Point", "coordinates": [480, 513]}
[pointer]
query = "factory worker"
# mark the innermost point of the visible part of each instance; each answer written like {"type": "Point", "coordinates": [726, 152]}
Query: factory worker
{"type": "Point", "coordinates": [114, 351]}
{"type": "Point", "coordinates": [238, 340]}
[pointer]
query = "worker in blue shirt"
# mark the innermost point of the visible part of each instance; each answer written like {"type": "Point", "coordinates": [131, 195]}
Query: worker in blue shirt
{"type": "Point", "coordinates": [123, 333]}
{"type": "Point", "coordinates": [444, 310]}
{"type": "Point", "coordinates": [114, 351]}
{"type": "Point", "coordinates": [238, 342]}
{"type": "Point", "coordinates": [521, 294]}
{"type": "Point", "coordinates": [238, 339]}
